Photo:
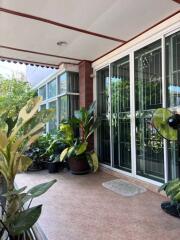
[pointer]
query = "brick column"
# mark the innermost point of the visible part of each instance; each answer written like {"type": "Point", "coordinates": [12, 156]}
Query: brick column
{"type": "Point", "coordinates": [85, 84]}
{"type": "Point", "coordinates": [86, 90]}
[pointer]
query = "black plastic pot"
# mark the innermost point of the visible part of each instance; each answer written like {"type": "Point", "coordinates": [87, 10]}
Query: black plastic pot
{"type": "Point", "coordinates": [54, 167]}
{"type": "Point", "coordinates": [171, 209]}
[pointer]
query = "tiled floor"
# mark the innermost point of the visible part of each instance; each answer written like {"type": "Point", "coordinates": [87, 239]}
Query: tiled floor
{"type": "Point", "coordinates": [80, 208]}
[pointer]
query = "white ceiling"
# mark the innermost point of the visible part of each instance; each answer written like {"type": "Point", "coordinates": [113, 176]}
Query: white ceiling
{"type": "Point", "coordinates": [121, 19]}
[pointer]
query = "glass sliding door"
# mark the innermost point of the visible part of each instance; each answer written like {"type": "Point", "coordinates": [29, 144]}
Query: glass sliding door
{"type": "Point", "coordinates": [120, 110]}
{"type": "Point", "coordinates": [172, 43]}
{"type": "Point", "coordinates": [148, 97]}
{"type": "Point", "coordinates": [103, 131]}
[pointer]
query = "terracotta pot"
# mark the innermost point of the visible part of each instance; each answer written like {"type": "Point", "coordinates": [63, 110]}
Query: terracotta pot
{"type": "Point", "coordinates": [79, 165]}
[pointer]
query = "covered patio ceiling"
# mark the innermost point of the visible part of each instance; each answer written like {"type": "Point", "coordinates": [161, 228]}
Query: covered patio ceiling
{"type": "Point", "coordinates": [86, 30]}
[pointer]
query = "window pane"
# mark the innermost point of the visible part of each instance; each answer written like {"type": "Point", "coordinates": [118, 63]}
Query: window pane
{"type": "Point", "coordinates": [63, 108]}
{"type": "Point", "coordinates": [120, 99]}
{"type": "Point", "coordinates": [43, 106]}
{"type": "Point", "coordinates": [73, 105]}
{"type": "Point", "coordinates": [42, 92]}
{"type": "Point", "coordinates": [148, 93]}
{"type": "Point", "coordinates": [62, 82]}
{"type": "Point", "coordinates": [53, 122]}
{"type": "Point", "coordinates": [103, 115]}
{"type": "Point", "coordinates": [173, 96]}
{"type": "Point", "coordinates": [52, 89]}
{"type": "Point", "coordinates": [73, 82]}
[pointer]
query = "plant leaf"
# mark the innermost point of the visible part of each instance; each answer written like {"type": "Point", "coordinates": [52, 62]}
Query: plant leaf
{"type": "Point", "coordinates": [33, 139]}
{"type": "Point", "coordinates": [163, 187]}
{"type": "Point", "coordinates": [63, 154]}
{"type": "Point", "coordinates": [3, 140]}
{"type": "Point", "coordinates": [24, 163]}
{"type": "Point", "coordinates": [95, 162]}
{"type": "Point", "coordinates": [70, 151]}
{"type": "Point", "coordinates": [91, 108]}
{"type": "Point", "coordinates": [15, 191]}
{"type": "Point", "coordinates": [24, 220]}
{"type": "Point", "coordinates": [81, 148]}
{"type": "Point", "coordinates": [26, 113]}
{"type": "Point", "coordinates": [40, 189]}
{"type": "Point", "coordinates": [177, 197]}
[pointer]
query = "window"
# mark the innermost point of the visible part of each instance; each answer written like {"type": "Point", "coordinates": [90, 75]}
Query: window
{"type": "Point", "coordinates": [62, 95]}
{"type": "Point", "coordinates": [73, 104]}
{"type": "Point", "coordinates": [43, 106]}
{"type": "Point", "coordinates": [52, 89]}
{"type": "Point", "coordinates": [53, 122]}
{"type": "Point", "coordinates": [103, 115]}
{"type": "Point", "coordinates": [173, 96]}
{"type": "Point", "coordinates": [120, 110]}
{"type": "Point", "coordinates": [148, 93]}
{"type": "Point", "coordinates": [62, 83]}
{"type": "Point", "coordinates": [63, 108]}
{"type": "Point", "coordinates": [42, 92]}
{"type": "Point", "coordinates": [73, 82]}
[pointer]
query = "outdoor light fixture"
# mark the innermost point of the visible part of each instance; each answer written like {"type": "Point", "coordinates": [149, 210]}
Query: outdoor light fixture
{"type": "Point", "coordinates": [61, 43]}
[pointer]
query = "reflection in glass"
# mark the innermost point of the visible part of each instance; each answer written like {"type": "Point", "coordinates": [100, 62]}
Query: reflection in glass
{"type": "Point", "coordinates": [53, 122]}
{"type": "Point", "coordinates": [43, 107]}
{"type": "Point", "coordinates": [52, 88]}
{"type": "Point", "coordinates": [103, 115]}
{"type": "Point", "coordinates": [173, 95]}
{"type": "Point", "coordinates": [148, 93]}
{"type": "Point", "coordinates": [62, 83]}
{"type": "Point", "coordinates": [73, 103]}
{"type": "Point", "coordinates": [42, 92]}
{"type": "Point", "coordinates": [67, 105]}
{"type": "Point", "coordinates": [63, 108]}
{"type": "Point", "coordinates": [120, 104]}
{"type": "Point", "coordinates": [73, 82]}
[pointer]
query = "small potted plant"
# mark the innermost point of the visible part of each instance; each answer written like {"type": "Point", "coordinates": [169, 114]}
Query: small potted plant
{"type": "Point", "coordinates": [55, 149]}
{"type": "Point", "coordinates": [37, 152]}
{"type": "Point", "coordinates": [81, 158]}
{"type": "Point", "coordinates": [172, 189]}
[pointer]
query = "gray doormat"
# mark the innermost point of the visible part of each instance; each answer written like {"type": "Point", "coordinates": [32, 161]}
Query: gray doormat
{"type": "Point", "coordinates": [123, 187]}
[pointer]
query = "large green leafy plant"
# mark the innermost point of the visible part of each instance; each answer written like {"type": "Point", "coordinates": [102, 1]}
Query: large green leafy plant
{"type": "Point", "coordinates": [84, 119]}
{"type": "Point", "coordinates": [172, 190]}
{"type": "Point", "coordinates": [16, 220]}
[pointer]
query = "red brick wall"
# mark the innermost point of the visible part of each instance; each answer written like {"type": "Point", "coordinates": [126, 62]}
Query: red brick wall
{"type": "Point", "coordinates": [85, 84]}
{"type": "Point", "coordinates": [86, 89]}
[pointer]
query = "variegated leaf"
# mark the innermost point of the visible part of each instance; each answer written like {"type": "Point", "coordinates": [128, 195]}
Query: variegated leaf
{"type": "Point", "coordinates": [24, 163]}
{"type": "Point", "coordinates": [26, 113]}
{"type": "Point", "coordinates": [3, 139]}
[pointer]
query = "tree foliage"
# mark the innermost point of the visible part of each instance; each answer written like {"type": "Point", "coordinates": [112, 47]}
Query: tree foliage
{"type": "Point", "coordinates": [14, 94]}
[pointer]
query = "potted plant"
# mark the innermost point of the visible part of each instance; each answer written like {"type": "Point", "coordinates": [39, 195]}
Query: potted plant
{"type": "Point", "coordinates": [16, 222]}
{"type": "Point", "coordinates": [53, 150]}
{"type": "Point", "coordinates": [54, 165]}
{"type": "Point", "coordinates": [172, 189]}
{"type": "Point", "coordinates": [81, 159]}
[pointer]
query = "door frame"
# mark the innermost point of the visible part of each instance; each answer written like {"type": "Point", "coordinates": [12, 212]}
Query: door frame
{"type": "Point", "coordinates": [160, 35]}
